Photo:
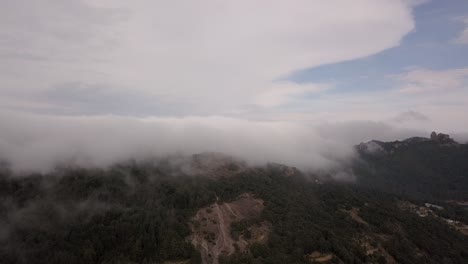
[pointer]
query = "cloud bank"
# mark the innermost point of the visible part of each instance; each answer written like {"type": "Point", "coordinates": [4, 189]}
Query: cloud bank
{"type": "Point", "coordinates": [38, 143]}
{"type": "Point", "coordinates": [179, 57]}
{"type": "Point", "coordinates": [100, 81]}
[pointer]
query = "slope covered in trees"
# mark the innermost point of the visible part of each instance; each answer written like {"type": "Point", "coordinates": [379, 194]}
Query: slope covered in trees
{"type": "Point", "coordinates": [416, 167]}
{"type": "Point", "coordinates": [141, 213]}
{"type": "Point", "coordinates": [144, 212]}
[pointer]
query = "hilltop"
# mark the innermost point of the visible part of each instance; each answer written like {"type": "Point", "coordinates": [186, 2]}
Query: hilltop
{"type": "Point", "coordinates": [406, 205]}
{"type": "Point", "coordinates": [430, 168]}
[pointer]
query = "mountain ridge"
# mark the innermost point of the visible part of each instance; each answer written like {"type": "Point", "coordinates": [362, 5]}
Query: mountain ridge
{"type": "Point", "coordinates": [407, 204]}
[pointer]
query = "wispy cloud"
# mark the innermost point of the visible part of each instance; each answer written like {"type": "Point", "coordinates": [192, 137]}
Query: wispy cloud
{"type": "Point", "coordinates": [102, 81]}
{"type": "Point", "coordinates": [429, 81]}
{"type": "Point", "coordinates": [201, 57]}
{"type": "Point", "coordinates": [462, 38]}
{"type": "Point", "coordinates": [410, 116]}
{"type": "Point", "coordinates": [288, 92]}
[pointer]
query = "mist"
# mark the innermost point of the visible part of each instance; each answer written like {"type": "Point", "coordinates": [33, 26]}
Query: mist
{"type": "Point", "coordinates": [96, 83]}
{"type": "Point", "coordinates": [40, 143]}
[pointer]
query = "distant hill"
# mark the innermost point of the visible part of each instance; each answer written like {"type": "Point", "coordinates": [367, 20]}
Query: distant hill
{"type": "Point", "coordinates": [406, 206]}
{"type": "Point", "coordinates": [430, 168]}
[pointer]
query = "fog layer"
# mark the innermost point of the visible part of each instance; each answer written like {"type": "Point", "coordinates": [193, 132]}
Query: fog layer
{"type": "Point", "coordinates": [39, 143]}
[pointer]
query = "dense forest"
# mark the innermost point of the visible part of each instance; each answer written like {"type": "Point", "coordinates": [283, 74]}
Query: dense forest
{"type": "Point", "coordinates": [417, 168]}
{"type": "Point", "coordinates": [141, 212]}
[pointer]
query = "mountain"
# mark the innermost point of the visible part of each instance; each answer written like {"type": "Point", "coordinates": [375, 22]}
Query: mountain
{"type": "Point", "coordinates": [407, 205]}
{"type": "Point", "coordinates": [429, 168]}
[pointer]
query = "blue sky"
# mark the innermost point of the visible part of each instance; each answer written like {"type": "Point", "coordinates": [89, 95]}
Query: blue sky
{"type": "Point", "coordinates": [430, 45]}
{"type": "Point", "coordinates": [289, 81]}
{"type": "Point", "coordinates": [299, 61]}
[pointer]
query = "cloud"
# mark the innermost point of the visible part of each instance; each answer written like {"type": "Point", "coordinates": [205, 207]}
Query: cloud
{"type": "Point", "coordinates": [287, 92]}
{"type": "Point", "coordinates": [410, 116]}
{"type": "Point", "coordinates": [442, 97]}
{"type": "Point", "coordinates": [416, 2]}
{"type": "Point", "coordinates": [99, 81]}
{"type": "Point", "coordinates": [462, 38]}
{"type": "Point", "coordinates": [429, 81]}
{"type": "Point", "coordinates": [36, 142]}
{"type": "Point", "coordinates": [190, 57]}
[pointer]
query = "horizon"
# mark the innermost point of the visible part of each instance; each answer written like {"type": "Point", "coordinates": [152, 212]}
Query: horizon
{"type": "Point", "coordinates": [298, 83]}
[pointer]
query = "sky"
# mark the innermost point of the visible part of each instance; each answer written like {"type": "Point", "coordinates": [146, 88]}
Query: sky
{"type": "Point", "coordinates": [287, 81]}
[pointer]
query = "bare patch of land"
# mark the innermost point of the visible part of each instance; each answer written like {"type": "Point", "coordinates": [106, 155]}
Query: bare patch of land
{"type": "Point", "coordinates": [211, 227]}
{"type": "Point", "coordinates": [177, 262]}
{"type": "Point", "coordinates": [354, 213]}
{"type": "Point", "coordinates": [318, 257]}
{"type": "Point", "coordinates": [424, 211]}
{"type": "Point", "coordinates": [370, 243]}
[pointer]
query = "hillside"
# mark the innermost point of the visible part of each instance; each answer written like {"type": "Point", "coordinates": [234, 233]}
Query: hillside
{"type": "Point", "coordinates": [425, 168]}
{"type": "Point", "coordinates": [214, 209]}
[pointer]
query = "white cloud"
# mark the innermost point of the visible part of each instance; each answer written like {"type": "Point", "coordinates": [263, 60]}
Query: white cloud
{"type": "Point", "coordinates": [416, 2]}
{"type": "Point", "coordinates": [203, 57]}
{"type": "Point", "coordinates": [410, 116]}
{"type": "Point", "coordinates": [101, 60]}
{"type": "Point", "coordinates": [33, 142]}
{"type": "Point", "coordinates": [421, 100]}
{"type": "Point", "coordinates": [429, 81]}
{"type": "Point", "coordinates": [310, 138]}
{"type": "Point", "coordinates": [287, 92]}
{"type": "Point", "coordinates": [462, 38]}
{"type": "Point", "coordinates": [442, 95]}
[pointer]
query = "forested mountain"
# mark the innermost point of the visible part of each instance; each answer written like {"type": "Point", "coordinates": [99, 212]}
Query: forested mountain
{"type": "Point", "coordinates": [406, 206]}
{"type": "Point", "coordinates": [426, 168]}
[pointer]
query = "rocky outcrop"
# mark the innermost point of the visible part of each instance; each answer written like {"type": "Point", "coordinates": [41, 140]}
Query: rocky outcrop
{"type": "Point", "coordinates": [441, 138]}
{"type": "Point", "coordinates": [371, 147]}
{"type": "Point", "coordinates": [376, 147]}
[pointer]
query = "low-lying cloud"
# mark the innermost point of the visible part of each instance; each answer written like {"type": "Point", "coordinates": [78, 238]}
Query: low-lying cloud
{"type": "Point", "coordinates": [39, 143]}
{"type": "Point", "coordinates": [100, 82]}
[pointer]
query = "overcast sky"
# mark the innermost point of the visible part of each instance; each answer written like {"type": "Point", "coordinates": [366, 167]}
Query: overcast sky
{"type": "Point", "coordinates": [208, 69]}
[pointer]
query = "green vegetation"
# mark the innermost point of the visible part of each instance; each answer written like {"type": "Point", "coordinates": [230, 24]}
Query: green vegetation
{"type": "Point", "coordinates": [424, 170]}
{"type": "Point", "coordinates": [140, 213]}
